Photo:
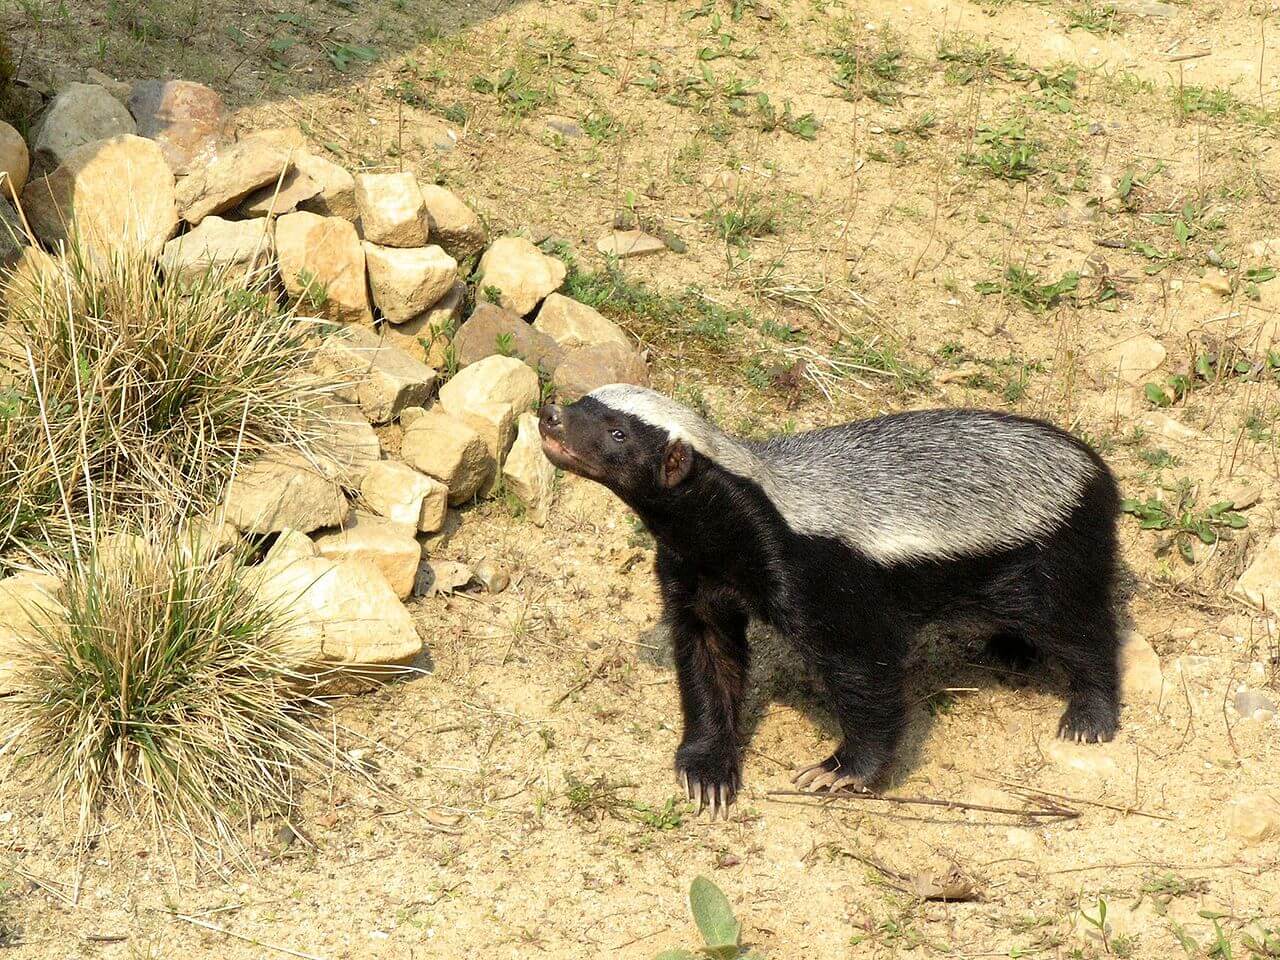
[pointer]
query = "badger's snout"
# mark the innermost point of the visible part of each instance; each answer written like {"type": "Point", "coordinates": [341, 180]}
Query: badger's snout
{"type": "Point", "coordinates": [549, 419]}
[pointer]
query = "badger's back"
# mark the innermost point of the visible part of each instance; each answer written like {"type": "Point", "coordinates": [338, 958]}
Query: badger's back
{"type": "Point", "coordinates": [933, 484]}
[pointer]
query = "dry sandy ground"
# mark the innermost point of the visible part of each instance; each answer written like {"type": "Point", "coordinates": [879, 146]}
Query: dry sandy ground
{"type": "Point", "coordinates": [547, 723]}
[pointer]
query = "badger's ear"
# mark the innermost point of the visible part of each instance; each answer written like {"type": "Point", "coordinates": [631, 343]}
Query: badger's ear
{"type": "Point", "coordinates": [677, 461]}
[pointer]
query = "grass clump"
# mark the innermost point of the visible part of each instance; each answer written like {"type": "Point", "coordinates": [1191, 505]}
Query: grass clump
{"type": "Point", "coordinates": [167, 692]}
{"type": "Point", "coordinates": [119, 393]}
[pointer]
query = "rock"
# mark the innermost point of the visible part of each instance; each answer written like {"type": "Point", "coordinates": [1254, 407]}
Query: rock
{"type": "Point", "coordinates": [1250, 702]}
{"type": "Point", "coordinates": [322, 264]}
{"type": "Point", "coordinates": [407, 281]}
{"type": "Point", "coordinates": [12, 237]}
{"type": "Point", "coordinates": [188, 120]}
{"type": "Point", "coordinates": [1265, 250]}
{"type": "Point", "coordinates": [726, 181]}
{"type": "Point", "coordinates": [403, 495]}
{"type": "Point", "coordinates": [337, 194]}
{"type": "Point", "coordinates": [1260, 583]}
{"type": "Point", "coordinates": [1241, 494]}
{"type": "Point", "coordinates": [496, 424]}
{"type": "Point", "coordinates": [1145, 8]}
{"type": "Point", "coordinates": [573, 324]}
{"type": "Point", "coordinates": [445, 447]}
{"type": "Point", "coordinates": [1088, 759]}
{"type": "Point", "coordinates": [117, 195]}
{"type": "Point", "coordinates": [1254, 818]}
{"type": "Point", "coordinates": [283, 491]}
{"type": "Point", "coordinates": [490, 331]}
{"type": "Point", "coordinates": [1216, 281]}
{"type": "Point", "coordinates": [239, 250]}
{"type": "Point", "coordinates": [492, 380]}
{"type": "Point", "coordinates": [392, 211]}
{"type": "Point", "coordinates": [418, 336]}
{"type": "Point", "coordinates": [234, 172]}
{"type": "Point", "coordinates": [289, 547]}
{"type": "Point", "coordinates": [209, 536]}
{"type": "Point", "coordinates": [273, 200]}
{"type": "Point", "coordinates": [1133, 359]}
{"type": "Point", "coordinates": [29, 607]}
{"type": "Point", "coordinates": [629, 243]}
{"type": "Point", "coordinates": [346, 446]}
{"type": "Point", "coordinates": [589, 368]}
{"type": "Point", "coordinates": [117, 88]}
{"type": "Point", "coordinates": [342, 613]}
{"type": "Point", "coordinates": [527, 473]}
{"type": "Point", "coordinates": [1141, 680]}
{"type": "Point", "coordinates": [374, 374]}
{"type": "Point", "coordinates": [83, 113]}
{"type": "Point", "coordinates": [453, 224]}
{"type": "Point", "coordinates": [15, 162]}
{"type": "Point", "coordinates": [520, 273]}
{"type": "Point", "coordinates": [442, 576]}
{"type": "Point", "coordinates": [388, 546]}
{"type": "Point", "coordinates": [1166, 426]}
{"type": "Point", "coordinates": [493, 578]}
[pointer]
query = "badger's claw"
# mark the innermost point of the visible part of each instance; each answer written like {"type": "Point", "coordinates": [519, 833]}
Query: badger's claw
{"type": "Point", "coordinates": [708, 788]}
{"type": "Point", "coordinates": [827, 776]}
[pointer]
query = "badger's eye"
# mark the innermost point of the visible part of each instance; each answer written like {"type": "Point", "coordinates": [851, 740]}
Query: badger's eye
{"type": "Point", "coordinates": [618, 435]}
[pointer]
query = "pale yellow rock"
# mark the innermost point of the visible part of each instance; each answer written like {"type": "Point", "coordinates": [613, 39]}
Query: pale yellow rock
{"type": "Point", "coordinates": [29, 611]}
{"type": "Point", "coordinates": [527, 473]}
{"type": "Point", "coordinates": [322, 265]}
{"type": "Point", "coordinates": [494, 379]}
{"type": "Point", "coordinates": [283, 491]}
{"type": "Point", "coordinates": [389, 546]}
{"type": "Point", "coordinates": [1141, 680]}
{"type": "Point", "coordinates": [405, 496]}
{"type": "Point", "coordinates": [1260, 583]}
{"type": "Point", "coordinates": [374, 373]}
{"type": "Point", "coordinates": [573, 324]}
{"type": "Point", "coordinates": [407, 281]}
{"type": "Point", "coordinates": [521, 274]}
{"type": "Point", "coordinates": [1133, 359]}
{"type": "Point", "coordinates": [449, 449]}
{"type": "Point", "coordinates": [392, 210]}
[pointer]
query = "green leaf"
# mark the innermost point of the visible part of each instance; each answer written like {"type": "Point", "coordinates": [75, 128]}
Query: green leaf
{"type": "Point", "coordinates": [986, 287]}
{"type": "Point", "coordinates": [1155, 394]}
{"type": "Point", "coordinates": [1261, 274]}
{"type": "Point", "coordinates": [1204, 367]}
{"type": "Point", "coordinates": [1236, 521]}
{"type": "Point", "coordinates": [1184, 548]}
{"type": "Point", "coordinates": [1181, 232]}
{"type": "Point", "coordinates": [676, 955]}
{"type": "Point", "coordinates": [713, 915]}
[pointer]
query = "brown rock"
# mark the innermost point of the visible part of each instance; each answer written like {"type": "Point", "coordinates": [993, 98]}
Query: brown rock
{"type": "Point", "coordinates": [337, 194]}
{"type": "Point", "coordinates": [407, 281]}
{"type": "Point", "coordinates": [187, 119]}
{"type": "Point", "coordinates": [117, 195]}
{"type": "Point", "coordinates": [390, 547]}
{"type": "Point", "coordinates": [573, 324]}
{"type": "Point", "coordinates": [453, 224]}
{"type": "Point", "coordinates": [433, 326]}
{"type": "Point", "coordinates": [294, 190]}
{"type": "Point", "coordinates": [234, 172]}
{"type": "Point", "coordinates": [15, 162]}
{"type": "Point", "coordinates": [589, 368]}
{"type": "Point", "coordinates": [392, 211]}
{"type": "Point", "coordinates": [491, 330]}
{"type": "Point", "coordinates": [12, 237]}
{"type": "Point", "coordinates": [322, 264]}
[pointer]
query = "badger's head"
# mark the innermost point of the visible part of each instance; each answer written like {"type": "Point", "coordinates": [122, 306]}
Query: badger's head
{"type": "Point", "coordinates": [636, 442]}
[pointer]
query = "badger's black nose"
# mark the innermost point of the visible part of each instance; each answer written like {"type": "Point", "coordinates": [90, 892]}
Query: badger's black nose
{"type": "Point", "coordinates": [549, 417]}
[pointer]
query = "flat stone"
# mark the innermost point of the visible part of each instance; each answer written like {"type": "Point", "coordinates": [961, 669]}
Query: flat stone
{"type": "Point", "coordinates": [15, 162]}
{"type": "Point", "coordinates": [340, 613]}
{"type": "Point", "coordinates": [29, 609]}
{"type": "Point", "coordinates": [588, 368]}
{"type": "Point", "coordinates": [1168, 427]}
{"type": "Point", "coordinates": [1249, 702]}
{"type": "Point", "coordinates": [573, 324]}
{"type": "Point", "coordinates": [373, 373]}
{"type": "Point", "coordinates": [442, 577]}
{"type": "Point", "coordinates": [389, 546]}
{"type": "Point", "coordinates": [1141, 679]}
{"type": "Point", "coordinates": [234, 172]}
{"type": "Point", "coordinates": [453, 224]}
{"type": "Point", "coordinates": [322, 265]}
{"type": "Point", "coordinates": [337, 194]}
{"type": "Point", "coordinates": [405, 496]}
{"type": "Point", "coordinates": [492, 380]}
{"type": "Point", "coordinates": [188, 120]}
{"type": "Point", "coordinates": [273, 201]}
{"type": "Point", "coordinates": [527, 473]}
{"type": "Point", "coordinates": [283, 491]}
{"type": "Point", "coordinates": [629, 243]}
{"type": "Point", "coordinates": [566, 127]}
{"type": "Point", "coordinates": [519, 274]}
{"type": "Point", "coordinates": [407, 281]}
{"type": "Point", "coordinates": [1134, 359]}
{"type": "Point", "coordinates": [392, 210]}
{"type": "Point", "coordinates": [1087, 759]}
{"type": "Point", "coordinates": [116, 195]}
{"type": "Point", "coordinates": [346, 446]}
{"type": "Point", "coordinates": [1216, 281]}
{"type": "Point", "coordinates": [1241, 494]}
{"type": "Point", "coordinates": [289, 547]}
{"type": "Point", "coordinates": [447, 448]}
{"type": "Point", "coordinates": [235, 250]}
{"type": "Point", "coordinates": [421, 336]}
{"type": "Point", "coordinates": [1254, 818]}
{"type": "Point", "coordinates": [491, 331]}
{"type": "Point", "coordinates": [1260, 583]}
{"type": "Point", "coordinates": [83, 113]}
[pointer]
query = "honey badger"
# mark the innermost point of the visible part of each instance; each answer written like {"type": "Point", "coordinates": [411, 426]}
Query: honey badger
{"type": "Point", "coordinates": [848, 540]}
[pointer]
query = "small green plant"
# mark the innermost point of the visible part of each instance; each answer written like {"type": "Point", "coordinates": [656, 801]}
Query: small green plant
{"type": "Point", "coordinates": [1100, 18]}
{"type": "Point", "coordinates": [491, 294]}
{"type": "Point", "coordinates": [600, 126]}
{"type": "Point", "coordinates": [515, 90]}
{"type": "Point", "coordinates": [1262, 943]}
{"type": "Point", "coordinates": [1009, 153]}
{"type": "Point", "coordinates": [745, 218]}
{"type": "Point", "coordinates": [968, 60]}
{"type": "Point", "coordinates": [874, 74]}
{"type": "Point", "coordinates": [771, 118]}
{"type": "Point", "coordinates": [1099, 922]}
{"type": "Point", "coordinates": [1029, 289]}
{"type": "Point", "coordinates": [721, 933]}
{"type": "Point", "coordinates": [342, 55]}
{"type": "Point", "coordinates": [505, 344]}
{"type": "Point", "coordinates": [1183, 522]}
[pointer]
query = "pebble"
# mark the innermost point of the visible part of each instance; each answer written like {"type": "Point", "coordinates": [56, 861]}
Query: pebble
{"type": "Point", "coordinates": [494, 577]}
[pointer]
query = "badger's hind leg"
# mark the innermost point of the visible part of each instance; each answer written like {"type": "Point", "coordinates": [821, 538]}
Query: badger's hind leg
{"type": "Point", "coordinates": [1087, 649]}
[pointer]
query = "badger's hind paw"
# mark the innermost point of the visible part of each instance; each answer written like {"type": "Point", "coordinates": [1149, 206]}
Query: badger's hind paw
{"type": "Point", "coordinates": [828, 776]}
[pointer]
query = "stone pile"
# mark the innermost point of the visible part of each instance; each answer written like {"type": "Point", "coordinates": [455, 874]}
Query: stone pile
{"type": "Point", "coordinates": [378, 264]}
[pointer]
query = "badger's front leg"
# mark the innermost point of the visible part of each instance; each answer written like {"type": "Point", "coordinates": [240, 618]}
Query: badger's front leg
{"type": "Point", "coordinates": [709, 637]}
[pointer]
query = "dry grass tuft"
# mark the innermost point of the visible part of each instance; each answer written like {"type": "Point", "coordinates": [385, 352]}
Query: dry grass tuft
{"type": "Point", "coordinates": [119, 393]}
{"type": "Point", "coordinates": [168, 694]}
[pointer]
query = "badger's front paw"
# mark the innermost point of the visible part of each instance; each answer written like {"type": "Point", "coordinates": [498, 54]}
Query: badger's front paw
{"type": "Point", "coordinates": [710, 775]}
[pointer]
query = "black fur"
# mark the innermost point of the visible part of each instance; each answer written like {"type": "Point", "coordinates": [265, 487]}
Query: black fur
{"type": "Point", "coordinates": [725, 555]}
